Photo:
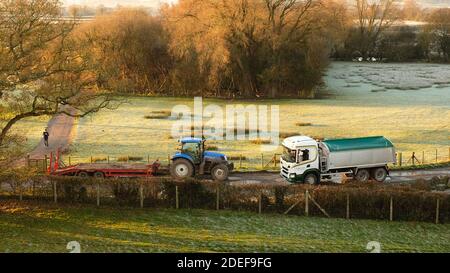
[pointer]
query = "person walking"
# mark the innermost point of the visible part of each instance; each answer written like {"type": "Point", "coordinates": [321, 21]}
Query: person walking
{"type": "Point", "coordinates": [46, 135]}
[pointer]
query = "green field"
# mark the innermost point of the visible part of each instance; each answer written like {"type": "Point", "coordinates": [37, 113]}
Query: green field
{"type": "Point", "coordinates": [31, 129]}
{"type": "Point", "coordinates": [30, 228]}
{"type": "Point", "coordinates": [415, 120]}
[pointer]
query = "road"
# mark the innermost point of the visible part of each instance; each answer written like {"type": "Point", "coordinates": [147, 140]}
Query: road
{"type": "Point", "coordinates": [395, 176]}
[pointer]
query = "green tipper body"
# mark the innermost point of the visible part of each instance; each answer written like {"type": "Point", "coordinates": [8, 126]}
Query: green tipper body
{"type": "Point", "coordinates": [364, 143]}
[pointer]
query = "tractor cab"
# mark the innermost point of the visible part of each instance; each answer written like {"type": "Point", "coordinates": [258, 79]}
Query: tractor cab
{"type": "Point", "coordinates": [193, 148]}
{"type": "Point", "coordinates": [192, 159]}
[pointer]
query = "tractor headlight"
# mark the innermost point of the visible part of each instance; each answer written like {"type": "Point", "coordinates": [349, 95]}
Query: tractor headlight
{"type": "Point", "coordinates": [292, 175]}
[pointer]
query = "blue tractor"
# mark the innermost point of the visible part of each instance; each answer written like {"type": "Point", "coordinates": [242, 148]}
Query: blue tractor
{"type": "Point", "coordinates": [193, 159]}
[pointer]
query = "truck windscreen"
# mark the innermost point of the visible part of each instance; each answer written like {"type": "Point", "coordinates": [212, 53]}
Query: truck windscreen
{"type": "Point", "coordinates": [289, 155]}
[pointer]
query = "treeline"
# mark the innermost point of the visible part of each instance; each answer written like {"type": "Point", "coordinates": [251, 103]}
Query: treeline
{"type": "Point", "coordinates": [254, 48]}
{"type": "Point", "coordinates": [427, 40]}
{"type": "Point", "coordinates": [229, 48]}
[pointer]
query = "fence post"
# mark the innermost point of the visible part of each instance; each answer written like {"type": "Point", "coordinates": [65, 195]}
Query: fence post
{"type": "Point", "coordinates": [108, 159]}
{"type": "Point", "coordinates": [260, 202]}
{"type": "Point", "coordinates": [307, 203]}
{"type": "Point", "coordinates": [148, 159]}
{"type": "Point", "coordinates": [391, 210]}
{"type": "Point", "coordinates": [436, 155]}
{"type": "Point", "coordinates": [240, 161]}
{"type": "Point", "coordinates": [423, 157]}
{"type": "Point", "coordinates": [98, 194]}
{"type": "Point", "coordinates": [55, 194]}
{"type": "Point", "coordinates": [141, 195]}
{"type": "Point", "coordinates": [218, 197]}
{"type": "Point", "coordinates": [262, 161]}
{"type": "Point", "coordinates": [45, 163]}
{"type": "Point", "coordinates": [177, 201]}
{"type": "Point", "coordinates": [347, 215]}
{"type": "Point", "coordinates": [70, 161]}
{"type": "Point", "coordinates": [20, 191]}
{"type": "Point", "coordinates": [437, 211]}
{"type": "Point", "coordinates": [400, 159]}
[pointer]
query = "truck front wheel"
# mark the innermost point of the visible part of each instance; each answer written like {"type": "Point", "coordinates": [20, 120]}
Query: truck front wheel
{"type": "Point", "coordinates": [220, 172]}
{"type": "Point", "coordinates": [379, 174]}
{"type": "Point", "coordinates": [311, 179]}
{"type": "Point", "coordinates": [181, 169]}
{"type": "Point", "coordinates": [362, 175]}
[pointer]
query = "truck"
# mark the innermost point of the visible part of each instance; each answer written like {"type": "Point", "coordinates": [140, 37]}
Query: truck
{"type": "Point", "coordinates": [306, 160]}
{"type": "Point", "coordinates": [194, 159]}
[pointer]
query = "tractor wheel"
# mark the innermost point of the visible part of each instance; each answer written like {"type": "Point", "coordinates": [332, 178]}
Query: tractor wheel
{"type": "Point", "coordinates": [181, 169]}
{"type": "Point", "coordinates": [362, 175]}
{"type": "Point", "coordinates": [83, 174]}
{"type": "Point", "coordinates": [379, 174]}
{"type": "Point", "coordinates": [220, 172]}
{"type": "Point", "coordinates": [99, 175]}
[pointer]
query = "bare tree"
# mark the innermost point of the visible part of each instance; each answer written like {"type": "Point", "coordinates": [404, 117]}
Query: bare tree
{"type": "Point", "coordinates": [373, 18]}
{"type": "Point", "coordinates": [43, 69]}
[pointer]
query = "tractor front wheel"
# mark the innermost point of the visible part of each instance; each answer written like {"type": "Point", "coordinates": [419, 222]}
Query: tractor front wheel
{"type": "Point", "coordinates": [220, 172]}
{"type": "Point", "coordinates": [181, 169]}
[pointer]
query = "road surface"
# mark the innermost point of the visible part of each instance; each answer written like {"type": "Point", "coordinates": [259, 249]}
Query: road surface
{"type": "Point", "coordinates": [395, 176]}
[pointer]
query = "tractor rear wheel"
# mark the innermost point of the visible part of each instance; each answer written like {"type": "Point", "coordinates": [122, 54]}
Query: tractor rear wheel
{"type": "Point", "coordinates": [220, 172]}
{"type": "Point", "coordinates": [181, 169]}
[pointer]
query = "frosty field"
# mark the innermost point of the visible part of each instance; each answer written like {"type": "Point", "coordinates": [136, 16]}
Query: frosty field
{"type": "Point", "coordinates": [363, 100]}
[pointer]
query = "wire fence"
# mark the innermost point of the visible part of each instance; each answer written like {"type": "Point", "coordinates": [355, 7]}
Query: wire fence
{"type": "Point", "coordinates": [415, 202]}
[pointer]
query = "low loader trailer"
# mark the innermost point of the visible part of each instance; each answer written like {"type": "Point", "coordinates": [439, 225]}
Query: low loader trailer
{"type": "Point", "coordinates": [306, 160]}
{"type": "Point", "coordinates": [102, 170]}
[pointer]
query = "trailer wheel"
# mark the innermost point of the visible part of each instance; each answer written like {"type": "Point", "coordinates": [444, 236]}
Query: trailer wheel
{"type": "Point", "coordinates": [99, 175]}
{"type": "Point", "coordinates": [379, 174]}
{"type": "Point", "coordinates": [220, 172]}
{"type": "Point", "coordinates": [311, 179]}
{"type": "Point", "coordinates": [362, 175]}
{"type": "Point", "coordinates": [181, 169]}
{"type": "Point", "coordinates": [83, 174]}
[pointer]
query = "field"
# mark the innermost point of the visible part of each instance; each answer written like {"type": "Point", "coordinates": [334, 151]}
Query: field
{"type": "Point", "coordinates": [364, 100]}
{"type": "Point", "coordinates": [29, 227]}
{"type": "Point", "coordinates": [31, 129]}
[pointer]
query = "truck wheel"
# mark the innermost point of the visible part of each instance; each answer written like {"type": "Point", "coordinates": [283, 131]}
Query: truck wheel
{"type": "Point", "coordinates": [362, 175]}
{"type": "Point", "coordinates": [181, 169]}
{"type": "Point", "coordinates": [311, 179]}
{"type": "Point", "coordinates": [99, 175]}
{"type": "Point", "coordinates": [83, 174]}
{"type": "Point", "coordinates": [379, 174]}
{"type": "Point", "coordinates": [220, 172]}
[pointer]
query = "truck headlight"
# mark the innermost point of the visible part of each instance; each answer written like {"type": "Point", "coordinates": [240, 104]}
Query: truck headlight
{"type": "Point", "coordinates": [292, 175]}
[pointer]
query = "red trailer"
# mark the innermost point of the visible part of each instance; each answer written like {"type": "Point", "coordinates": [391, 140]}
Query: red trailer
{"type": "Point", "coordinates": [102, 170]}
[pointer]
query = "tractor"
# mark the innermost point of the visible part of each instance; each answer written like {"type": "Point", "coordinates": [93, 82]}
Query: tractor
{"type": "Point", "coordinates": [193, 159]}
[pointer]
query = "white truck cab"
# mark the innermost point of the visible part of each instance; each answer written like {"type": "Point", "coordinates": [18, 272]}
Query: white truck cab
{"type": "Point", "coordinates": [306, 160]}
{"type": "Point", "coordinates": [300, 156]}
